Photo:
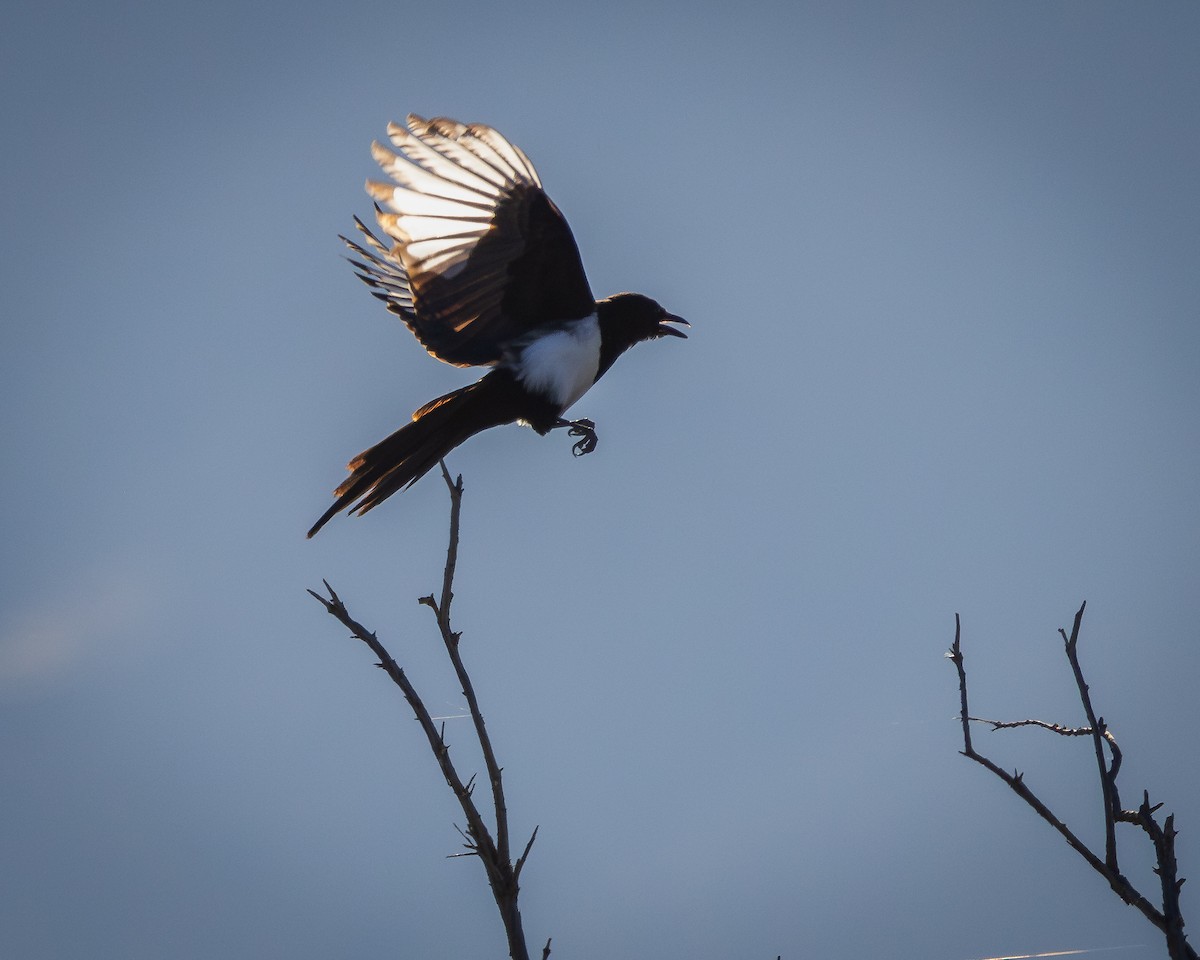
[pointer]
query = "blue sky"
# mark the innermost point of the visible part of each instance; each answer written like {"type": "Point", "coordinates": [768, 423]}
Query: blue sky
{"type": "Point", "coordinates": [940, 261]}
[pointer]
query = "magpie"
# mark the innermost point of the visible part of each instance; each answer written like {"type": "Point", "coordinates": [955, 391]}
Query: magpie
{"type": "Point", "coordinates": [483, 269]}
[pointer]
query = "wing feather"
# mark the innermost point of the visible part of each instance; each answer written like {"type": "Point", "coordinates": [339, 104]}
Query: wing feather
{"type": "Point", "coordinates": [447, 148]}
{"type": "Point", "coordinates": [479, 255]}
{"type": "Point", "coordinates": [445, 163]}
{"type": "Point", "coordinates": [432, 183]}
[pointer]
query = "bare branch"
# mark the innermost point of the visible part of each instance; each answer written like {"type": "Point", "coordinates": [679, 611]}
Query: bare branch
{"type": "Point", "coordinates": [1097, 725]}
{"type": "Point", "coordinates": [955, 654]}
{"type": "Point", "coordinates": [456, 491]}
{"type": "Point", "coordinates": [525, 855]}
{"type": "Point", "coordinates": [1169, 919]}
{"type": "Point", "coordinates": [337, 608]}
{"type": "Point", "coordinates": [478, 840]}
{"type": "Point", "coordinates": [451, 639]}
{"type": "Point", "coordinates": [1052, 727]}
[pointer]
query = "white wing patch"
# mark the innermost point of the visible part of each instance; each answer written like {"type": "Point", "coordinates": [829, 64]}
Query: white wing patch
{"type": "Point", "coordinates": [561, 365]}
{"type": "Point", "coordinates": [447, 180]}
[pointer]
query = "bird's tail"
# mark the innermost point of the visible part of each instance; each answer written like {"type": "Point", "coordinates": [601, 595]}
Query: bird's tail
{"type": "Point", "coordinates": [413, 450]}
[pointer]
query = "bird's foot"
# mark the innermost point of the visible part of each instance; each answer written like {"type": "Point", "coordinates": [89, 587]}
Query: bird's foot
{"type": "Point", "coordinates": [581, 428]}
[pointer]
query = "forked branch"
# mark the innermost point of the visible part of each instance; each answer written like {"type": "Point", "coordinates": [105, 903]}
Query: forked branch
{"type": "Point", "coordinates": [1168, 918]}
{"type": "Point", "coordinates": [478, 839]}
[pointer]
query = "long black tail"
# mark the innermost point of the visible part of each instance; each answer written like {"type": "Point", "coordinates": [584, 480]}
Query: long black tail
{"type": "Point", "coordinates": [413, 450]}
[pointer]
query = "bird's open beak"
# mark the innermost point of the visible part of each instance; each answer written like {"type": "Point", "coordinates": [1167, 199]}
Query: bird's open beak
{"type": "Point", "coordinates": [663, 329]}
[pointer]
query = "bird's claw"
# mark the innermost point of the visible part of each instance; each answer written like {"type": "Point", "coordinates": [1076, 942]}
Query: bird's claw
{"type": "Point", "coordinates": [587, 430]}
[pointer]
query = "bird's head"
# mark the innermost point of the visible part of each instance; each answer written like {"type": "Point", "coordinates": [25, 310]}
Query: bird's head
{"type": "Point", "coordinates": [633, 318]}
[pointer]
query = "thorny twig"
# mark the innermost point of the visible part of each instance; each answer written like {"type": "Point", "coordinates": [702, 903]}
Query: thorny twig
{"type": "Point", "coordinates": [478, 840]}
{"type": "Point", "coordinates": [1169, 919]}
{"type": "Point", "coordinates": [441, 611]}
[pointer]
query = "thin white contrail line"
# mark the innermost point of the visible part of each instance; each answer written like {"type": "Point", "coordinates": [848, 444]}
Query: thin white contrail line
{"type": "Point", "coordinates": [1059, 953]}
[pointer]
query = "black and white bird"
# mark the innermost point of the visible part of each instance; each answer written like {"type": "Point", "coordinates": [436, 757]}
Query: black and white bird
{"type": "Point", "coordinates": [483, 269]}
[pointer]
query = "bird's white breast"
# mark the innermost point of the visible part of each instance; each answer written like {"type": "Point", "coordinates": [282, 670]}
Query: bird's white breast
{"type": "Point", "coordinates": [562, 365]}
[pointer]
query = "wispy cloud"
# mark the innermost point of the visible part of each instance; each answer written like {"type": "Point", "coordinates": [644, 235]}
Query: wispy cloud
{"type": "Point", "coordinates": [46, 639]}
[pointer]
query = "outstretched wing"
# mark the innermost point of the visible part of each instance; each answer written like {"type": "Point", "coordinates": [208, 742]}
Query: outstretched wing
{"type": "Point", "coordinates": [480, 255]}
